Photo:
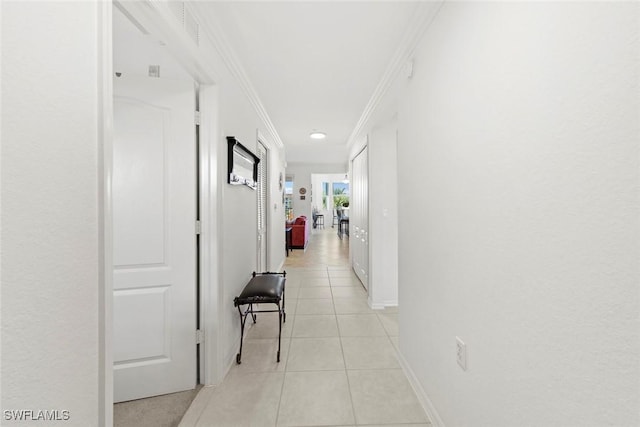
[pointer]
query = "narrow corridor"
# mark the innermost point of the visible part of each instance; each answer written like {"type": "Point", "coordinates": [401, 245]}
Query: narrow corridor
{"type": "Point", "coordinates": [339, 365]}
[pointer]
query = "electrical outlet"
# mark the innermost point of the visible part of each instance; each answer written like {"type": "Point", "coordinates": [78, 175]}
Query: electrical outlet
{"type": "Point", "coordinates": [461, 353]}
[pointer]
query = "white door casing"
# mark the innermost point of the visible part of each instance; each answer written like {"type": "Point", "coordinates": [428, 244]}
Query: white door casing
{"type": "Point", "coordinates": [262, 193]}
{"type": "Point", "coordinates": [154, 242]}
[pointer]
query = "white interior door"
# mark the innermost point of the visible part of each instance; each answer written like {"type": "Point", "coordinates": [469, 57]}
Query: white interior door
{"type": "Point", "coordinates": [359, 217]}
{"type": "Point", "coordinates": [262, 207]}
{"type": "Point", "coordinates": [154, 211]}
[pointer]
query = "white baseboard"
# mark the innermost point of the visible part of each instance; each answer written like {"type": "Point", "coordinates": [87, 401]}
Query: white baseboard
{"type": "Point", "coordinates": [381, 305]}
{"type": "Point", "coordinates": [231, 359]}
{"type": "Point", "coordinates": [426, 403]}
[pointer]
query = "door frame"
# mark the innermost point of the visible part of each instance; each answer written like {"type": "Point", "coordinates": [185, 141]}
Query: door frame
{"type": "Point", "coordinates": [105, 214]}
{"type": "Point", "coordinates": [211, 293]}
{"type": "Point", "coordinates": [269, 217]}
{"type": "Point", "coordinates": [211, 357]}
{"type": "Point", "coordinates": [267, 203]}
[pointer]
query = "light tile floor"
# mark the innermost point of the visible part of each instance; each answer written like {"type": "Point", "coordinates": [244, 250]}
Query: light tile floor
{"type": "Point", "coordinates": [338, 365]}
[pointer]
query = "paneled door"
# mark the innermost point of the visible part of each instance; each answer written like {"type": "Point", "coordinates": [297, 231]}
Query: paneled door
{"type": "Point", "coordinates": [359, 217]}
{"type": "Point", "coordinates": [154, 241]}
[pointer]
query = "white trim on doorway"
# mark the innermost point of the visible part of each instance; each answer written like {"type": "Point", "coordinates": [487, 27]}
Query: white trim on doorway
{"type": "Point", "coordinates": [105, 249]}
{"type": "Point", "coordinates": [212, 367]}
{"type": "Point", "coordinates": [156, 16]}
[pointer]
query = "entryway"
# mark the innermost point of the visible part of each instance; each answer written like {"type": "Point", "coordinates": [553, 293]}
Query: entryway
{"type": "Point", "coordinates": [154, 212]}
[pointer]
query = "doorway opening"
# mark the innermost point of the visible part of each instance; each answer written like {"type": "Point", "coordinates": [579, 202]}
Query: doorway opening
{"type": "Point", "coordinates": [155, 213]}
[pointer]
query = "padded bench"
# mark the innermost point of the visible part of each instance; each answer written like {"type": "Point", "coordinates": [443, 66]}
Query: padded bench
{"type": "Point", "coordinates": [263, 288]}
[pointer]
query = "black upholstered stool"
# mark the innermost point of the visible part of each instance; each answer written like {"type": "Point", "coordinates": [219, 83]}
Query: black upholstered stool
{"type": "Point", "coordinates": [263, 288]}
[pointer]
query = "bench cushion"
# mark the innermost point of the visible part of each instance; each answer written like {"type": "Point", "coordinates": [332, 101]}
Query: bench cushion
{"type": "Point", "coordinates": [262, 289]}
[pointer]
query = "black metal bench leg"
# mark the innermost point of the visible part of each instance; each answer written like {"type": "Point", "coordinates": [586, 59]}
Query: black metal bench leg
{"type": "Point", "coordinates": [243, 319]}
{"type": "Point", "coordinates": [253, 315]}
{"type": "Point", "coordinates": [284, 313]}
{"type": "Point", "coordinates": [280, 311]}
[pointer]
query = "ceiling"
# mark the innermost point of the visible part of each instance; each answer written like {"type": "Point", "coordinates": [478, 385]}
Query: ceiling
{"type": "Point", "coordinates": [314, 65]}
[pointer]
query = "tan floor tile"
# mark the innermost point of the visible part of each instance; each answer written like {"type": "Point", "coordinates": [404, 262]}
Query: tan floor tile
{"type": "Point", "coordinates": [315, 354]}
{"type": "Point", "coordinates": [351, 306]}
{"type": "Point", "coordinates": [315, 325]}
{"type": "Point", "coordinates": [292, 282]}
{"type": "Point", "coordinates": [261, 355]}
{"type": "Point", "coordinates": [313, 268]}
{"type": "Point", "coordinates": [384, 396]}
{"type": "Point", "coordinates": [349, 292]}
{"type": "Point", "coordinates": [291, 293]}
{"type": "Point", "coordinates": [315, 398]}
{"type": "Point", "coordinates": [266, 326]}
{"type": "Point", "coordinates": [315, 274]}
{"type": "Point", "coordinates": [244, 400]}
{"type": "Point", "coordinates": [344, 267]}
{"type": "Point", "coordinates": [360, 325]}
{"type": "Point", "coordinates": [335, 274]}
{"type": "Point", "coordinates": [369, 353]}
{"type": "Point", "coordinates": [315, 292]}
{"type": "Point", "coordinates": [397, 425]}
{"type": "Point", "coordinates": [389, 322]}
{"type": "Point", "coordinates": [314, 281]}
{"type": "Point", "coordinates": [315, 306]}
{"type": "Point", "coordinates": [345, 281]}
{"type": "Point", "coordinates": [395, 342]}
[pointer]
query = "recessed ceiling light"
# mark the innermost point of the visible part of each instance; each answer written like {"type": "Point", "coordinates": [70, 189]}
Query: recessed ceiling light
{"type": "Point", "coordinates": [317, 135]}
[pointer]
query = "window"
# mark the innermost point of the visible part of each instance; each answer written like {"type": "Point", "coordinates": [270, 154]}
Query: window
{"type": "Point", "coordinates": [340, 194]}
{"type": "Point", "coordinates": [325, 194]}
{"type": "Point", "coordinates": [288, 198]}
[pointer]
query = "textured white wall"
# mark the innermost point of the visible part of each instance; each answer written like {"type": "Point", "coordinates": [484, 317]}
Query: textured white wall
{"type": "Point", "coordinates": [519, 231]}
{"type": "Point", "coordinates": [50, 209]}
{"type": "Point", "coordinates": [239, 206]}
{"type": "Point", "coordinates": [383, 215]}
{"type": "Point", "coordinates": [239, 217]}
{"type": "Point", "coordinates": [275, 215]}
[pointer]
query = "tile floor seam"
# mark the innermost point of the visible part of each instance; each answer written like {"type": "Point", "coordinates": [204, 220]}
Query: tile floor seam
{"type": "Point", "coordinates": [346, 373]}
{"type": "Point", "coordinates": [284, 377]}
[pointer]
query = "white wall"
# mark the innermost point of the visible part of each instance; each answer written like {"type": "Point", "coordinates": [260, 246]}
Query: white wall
{"type": "Point", "coordinates": [518, 231]}
{"type": "Point", "coordinates": [275, 214]}
{"type": "Point", "coordinates": [383, 215]}
{"type": "Point", "coordinates": [50, 211]}
{"type": "Point", "coordinates": [302, 178]}
{"type": "Point", "coordinates": [239, 215]}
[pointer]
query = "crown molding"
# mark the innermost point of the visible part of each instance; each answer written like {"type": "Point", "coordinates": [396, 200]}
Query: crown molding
{"type": "Point", "coordinates": [217, 37]}
{"type": "Point", "coordinates": [425, 13]}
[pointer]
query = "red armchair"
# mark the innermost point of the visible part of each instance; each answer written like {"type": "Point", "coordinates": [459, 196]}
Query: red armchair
{"type": "Point", "coordinates": [300, 230]}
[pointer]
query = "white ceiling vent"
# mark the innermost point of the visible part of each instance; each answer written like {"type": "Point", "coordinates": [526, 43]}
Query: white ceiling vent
{"type": "Point", "coordinates": [191, 26]}
{"type": "Point", "coordinates": [186, 19]}
{"type": "Point", "coordinates": [177, 7]}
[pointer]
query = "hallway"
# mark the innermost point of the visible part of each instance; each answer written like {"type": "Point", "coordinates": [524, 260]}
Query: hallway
{"type": "Point", "coordinates": [339, 365]}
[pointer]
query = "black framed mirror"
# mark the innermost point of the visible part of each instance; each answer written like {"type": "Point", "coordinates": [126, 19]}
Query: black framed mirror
{"type": "Point", "coordinates": [242, 164]}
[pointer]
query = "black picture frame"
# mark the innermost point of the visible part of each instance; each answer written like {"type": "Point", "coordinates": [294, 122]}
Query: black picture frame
{"type": "Point", "coordinates": [242, 164]}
